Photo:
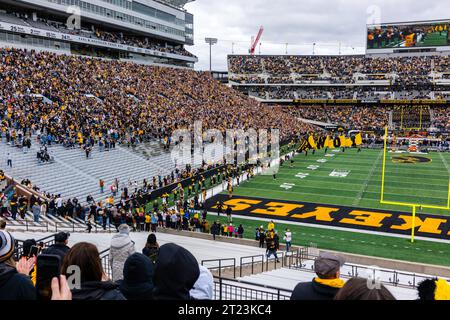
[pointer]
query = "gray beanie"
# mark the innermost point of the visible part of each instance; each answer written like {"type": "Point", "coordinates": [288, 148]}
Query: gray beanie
{"type": "Point", "coordinates": [124, 229]}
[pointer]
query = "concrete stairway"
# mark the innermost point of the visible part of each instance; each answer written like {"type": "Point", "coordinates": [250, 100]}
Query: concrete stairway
{"type": "Point", "coordinates": [72, 175]}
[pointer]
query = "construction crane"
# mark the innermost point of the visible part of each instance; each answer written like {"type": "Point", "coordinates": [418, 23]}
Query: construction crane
{"type": "Point", "coordinates": [256, 41]}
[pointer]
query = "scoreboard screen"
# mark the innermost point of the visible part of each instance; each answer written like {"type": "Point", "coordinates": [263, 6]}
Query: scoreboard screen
{"type": "Point", "coordinates": [409, 35]}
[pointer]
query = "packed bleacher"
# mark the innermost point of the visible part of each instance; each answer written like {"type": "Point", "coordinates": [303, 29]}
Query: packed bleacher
{"type": "Point", "coordinates": [407, 69]}
{"type": "Point", "coordinates": [369, 118]}
{"type": "Point", "coordinates": [396, 76]}
{"type": "Point", "coordinates": [109, 36]}
{"type": "Point", "coordinates": [150, 271]}
{"type": "Point", "coordinates": [94, 100]}
{"type": "Point", "coordinates": [359, 118]}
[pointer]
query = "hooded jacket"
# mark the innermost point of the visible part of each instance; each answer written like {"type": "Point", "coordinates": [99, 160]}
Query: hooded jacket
{"type": "Point", "coordinates": [176, 272]}
{"type": "Point", "coordinates": [204, 286]}
{"type": "Point", "coordinates": [97, 290]}
{"type": "Point", "coordinates": [313, 291]}
{"type": "Point", "coordinates": [57, 249]}
{"type": "Point", "coordinates": [121, 248]}
{"type": "Point", "coordinates": [14, 285]}
{"type": "Point", "coordinates": [137, 283]}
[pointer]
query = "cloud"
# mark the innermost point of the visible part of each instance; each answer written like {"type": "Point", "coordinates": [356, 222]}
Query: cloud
{"type": "Point", "coordinates": [300, 23]}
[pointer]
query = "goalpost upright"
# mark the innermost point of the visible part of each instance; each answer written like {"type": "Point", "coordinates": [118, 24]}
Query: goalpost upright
{"type": "Point", "coordinates": [413, 206]}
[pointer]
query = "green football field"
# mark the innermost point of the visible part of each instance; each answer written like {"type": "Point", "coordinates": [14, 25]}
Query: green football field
{"type": "Point", "coordinates": [428, 252]}
{"type": "Point", "coordinates": [354, 179]}
{"type": "Point", "coordinates": [430, 40]}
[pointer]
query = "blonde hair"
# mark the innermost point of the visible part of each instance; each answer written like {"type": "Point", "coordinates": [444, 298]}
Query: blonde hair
{"type": "Point", "coordinates": [11, 262]}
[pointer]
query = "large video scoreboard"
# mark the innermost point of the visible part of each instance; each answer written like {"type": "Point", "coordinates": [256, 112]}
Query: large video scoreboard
{"type": "Point", "coordinates": [393, 37]}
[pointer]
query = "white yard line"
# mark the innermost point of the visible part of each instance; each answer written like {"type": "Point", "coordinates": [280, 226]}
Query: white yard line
{"type": "Point", "coordinates": [445, 162]}
{"type": "Point", "coordinates": [334, 228]}
{"type": "Point", "coordinates": [366, 183]}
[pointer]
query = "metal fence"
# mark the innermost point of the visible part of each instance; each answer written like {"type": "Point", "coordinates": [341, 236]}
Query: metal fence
{"type": "Point", "coordinates": [303, 259]}
{"type": "Point", "coordinates": [104, 256]}
{"type": "Point", "coordinates": [388, 277]}
{"type": "Point", "coordinates": [18, 250]}
{"type": "Point", "coordinates": [232, 289]}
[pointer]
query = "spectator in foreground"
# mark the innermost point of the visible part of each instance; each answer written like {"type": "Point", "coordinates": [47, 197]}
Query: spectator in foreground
{"type": "Point", "coordinates": [151, 248]}
{"type": "Point", "coordinates": [121, 248]}
{"type": "Point", "coordinates": [204, 286]}
{"type": "Point", "coordinates": [59, 248]}
{"type": "Point", "coordinates": [434, 289]}
{"type": "Point", "coordinates": [94, 283]}
{"type": "Point", "coordinates": [15, 284]}
{"type": "Point", "coordinates": [176, 272]}
{"type": "Point", "coordinates": [137, 283]}
{"type": "Point", "coordinates": [358, 289]}
{"type": "Point", "coordinates": [327, 283]}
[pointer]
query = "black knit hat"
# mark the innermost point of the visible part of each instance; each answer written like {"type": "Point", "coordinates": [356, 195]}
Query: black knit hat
{"type": "Point", "coordinates": [151, 238]}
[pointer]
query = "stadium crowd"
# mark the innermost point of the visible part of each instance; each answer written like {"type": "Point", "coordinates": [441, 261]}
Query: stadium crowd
{"type": "Point", "coordinates": [96, 33]}
{"type": "Point", "coordinates": [116, 102]}
{"type": "Point", "coordinates": [340, 67]}
{"type": "Point", "coordinates": [167, 272]}
{"type": "Point", "coordinates": [354, 117]}
{"type": "Point", "coordinates": [400, 71]}
{"type": "Point", "coordinates": [177, 207]}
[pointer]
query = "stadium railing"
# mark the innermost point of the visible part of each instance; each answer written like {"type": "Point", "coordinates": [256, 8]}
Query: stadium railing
{"type": "Point", "coordinates": [18, 251]}
{"type": "Point", "coordinates": [220, 265]}
{"type": "Point", "coordinates": [401, 279]}
{"type": "Point", "coordinates": [255, 264]}
{"type": "Point", "coordinates": [232, 289]}
{"type": "Point", "coordinates": [104, 256]}
{"type": "Point", "coordinates": [236, 289]}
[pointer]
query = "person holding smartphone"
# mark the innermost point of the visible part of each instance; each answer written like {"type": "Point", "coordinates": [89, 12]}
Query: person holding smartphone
{"type": "Point", "coordinates": [60, 247]}
{"type": "Point", "coordinates": [15, 283]}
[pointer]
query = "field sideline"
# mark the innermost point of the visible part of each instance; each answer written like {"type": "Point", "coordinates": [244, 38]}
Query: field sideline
{"type": "Point", "coordinates": [359, 188]}
{"type": "Point", "coordinates": [425, 183]}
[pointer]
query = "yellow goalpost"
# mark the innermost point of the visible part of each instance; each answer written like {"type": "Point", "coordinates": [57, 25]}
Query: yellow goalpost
{"type": "Point", "coordinates": [405, 204]}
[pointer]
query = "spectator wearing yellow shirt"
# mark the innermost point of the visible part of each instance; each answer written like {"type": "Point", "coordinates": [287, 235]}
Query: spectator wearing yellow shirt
{"type": "Point", "coordinates": [271, 226]}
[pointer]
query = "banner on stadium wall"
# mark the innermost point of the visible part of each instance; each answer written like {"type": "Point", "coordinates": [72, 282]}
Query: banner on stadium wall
{"type": "Point", "coordinates": [327, 141]}
{"type": "Point", "coordinates": [79, 39]}
{"type": "Point", "coordinates": [386, 221]}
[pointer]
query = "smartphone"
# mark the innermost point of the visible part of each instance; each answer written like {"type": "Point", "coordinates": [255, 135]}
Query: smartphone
{"type": "Point", "coordinates": [33, 251]}
{"type": "Point", "coordinates": [48, 267]}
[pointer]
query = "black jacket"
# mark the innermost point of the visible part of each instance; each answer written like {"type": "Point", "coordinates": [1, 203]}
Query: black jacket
{"type": "Point", "coordinates": [176, 272]}
{"type": "Point", "coordinates": [97, 290]}
{"type": "Point", "coordinates": [57, 249]}
{"type": "Point", "coordinates": [137, 283]}
{"type": "Point", "coordinates": [151, 252]}
{"type": "Point", "coordinates": [14, 285]}
{"type": "Point", "coordinates": [313, 291]}
{"type": "Point", "coordinates": [215, 229]}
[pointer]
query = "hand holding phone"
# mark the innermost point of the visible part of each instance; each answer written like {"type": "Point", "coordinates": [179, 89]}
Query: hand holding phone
{"type": "Point", "coordinates": [60, 289]}
{"type": "Point", "coordinates": [48, 267]}
{"type": "Point", "coordinates": [34, 251]}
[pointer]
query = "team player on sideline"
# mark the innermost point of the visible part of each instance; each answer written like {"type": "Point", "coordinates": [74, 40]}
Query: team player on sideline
{"type": "Point", "coordinates": [230, 187]}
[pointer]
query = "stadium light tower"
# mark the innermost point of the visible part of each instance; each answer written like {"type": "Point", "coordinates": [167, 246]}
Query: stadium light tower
{"type": "Point", "coordinates": [211, 42]}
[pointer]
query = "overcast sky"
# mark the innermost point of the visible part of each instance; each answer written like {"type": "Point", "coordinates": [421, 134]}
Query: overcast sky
{"type": "Point", "coordinates": [300, 23]}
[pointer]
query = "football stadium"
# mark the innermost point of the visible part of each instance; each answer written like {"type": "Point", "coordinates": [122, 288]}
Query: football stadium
{"type": "Point", "coordinates": [128, 173]}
